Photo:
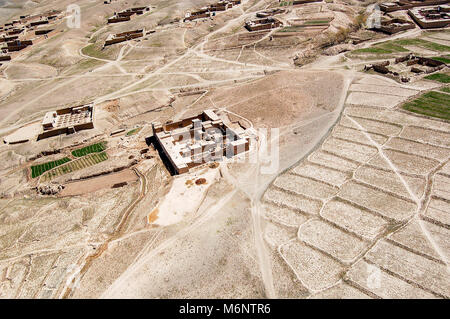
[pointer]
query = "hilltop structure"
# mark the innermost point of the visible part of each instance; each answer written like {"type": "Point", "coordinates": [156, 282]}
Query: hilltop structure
{"type": "Point", "coordinates": [197, 140]}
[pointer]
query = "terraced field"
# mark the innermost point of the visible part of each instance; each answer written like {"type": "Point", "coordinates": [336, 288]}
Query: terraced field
{"type": "Point", "coordinates": [38, 170]}
{"type": "Point", "coordinates": [75, 165]}
{"type": "Point", "coordinates": [94, 148]}
{"type": "Point", "coordinates": [392, 48]}
{"type": "Point", "coordinates": [372, 200]}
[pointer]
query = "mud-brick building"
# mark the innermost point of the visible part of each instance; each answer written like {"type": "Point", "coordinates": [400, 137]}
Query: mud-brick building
{"type": "Point", "coordinates": [4, 57]}
{"type": "Point", "coordinates": [67, 121]}
{"type": "Point", "coordinates": [408, 4]}
{"type": "Point", "coordinates": [17, 45]}
{"type": "Point", "coordinates": [263, 24]}
{"type": "Point", "coordinates": [209, 11]}
{"type": "Point", "coordinates": [197, 140]}
{"type": "Point", "coordinates": [431, 17]}
{"type": "Point", "coordinates": [199, 14]}
{"type": "Point", "coordinates": [394, 25]}
{"type": "Point", "coordinates": [124, 36]}
{"type": "Point", "coordinates": [269, 13]}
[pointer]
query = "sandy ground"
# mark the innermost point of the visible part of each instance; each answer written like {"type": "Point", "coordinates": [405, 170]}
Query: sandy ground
{"type": "Point", "coordinates": [96, 183]}
{"type": "Point", "coordinates": [5, 87]}
{"type": "Point", "coordinates": [184, 197]}
{"type": "Point", "coordinates": [27, 132]}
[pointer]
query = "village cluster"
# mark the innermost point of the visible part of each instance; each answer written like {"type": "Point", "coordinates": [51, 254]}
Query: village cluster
{"type": "Point", "coordinates": [22, 33]}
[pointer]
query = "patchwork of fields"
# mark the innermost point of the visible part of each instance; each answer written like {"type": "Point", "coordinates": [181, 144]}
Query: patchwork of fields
{"type": "Point", "coordinates": [372, 199]}
{"type": "Point", "coordinates": [94, 148]}
{"type": "Point", "coordinates": [393, 48]}
{"type": "Point", "coordinates": [87, 156]}
{"type": "Point", "coordinates": [75, 165]}
{"type": "Point", "coordinates": [38, 170]}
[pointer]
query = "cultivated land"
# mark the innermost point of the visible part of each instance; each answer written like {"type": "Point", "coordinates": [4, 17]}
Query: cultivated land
{"type": "Point", "coordinates": [360, 187]}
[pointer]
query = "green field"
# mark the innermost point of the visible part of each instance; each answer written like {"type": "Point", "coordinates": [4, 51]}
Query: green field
{"type": "Point", "coordinates": [315, 22]}
{"type": "Point", "coordinates": [297, 28]}
{"type": "Point", "coordinates": [434, 104]}
{"type": "Point", "coordinates": [440, 77]}
{"type": "Point", "coordinates": [424, 44]}
{"type": "Point", "coordinates": [398, 46]}
{"type": "Point", "coordinates": [134, 131]}
{"type": "Point", "coordinates": [93, 51]}
{"type": "Point", "coordinates": [444, 59]}
{"type": "Point", "coordinates": [38, 170]}
{"type": "Point", "coordinates": [94, 148]}
{"type": "Point", "coordinates": [446, 89]}
{"type": "Point", "coordinates": [75, 165]}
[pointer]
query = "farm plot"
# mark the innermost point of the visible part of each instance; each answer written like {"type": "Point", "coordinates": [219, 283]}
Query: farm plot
{"type": "Point", "coordinates": [134, 131]}
{"type": "Point", "coordinates": [395, 47]}
{"type": "Point", "coordinates": [94, 148]}
{"type": "Point", "coordinates": [359, 194]}
{"type": "Point", "coordinates": [38, 170]}
{"type": "Point", "coordinates": [440, 77]}
{"type": "Point", "coordinates": [434, 104]}
{"type": "Point", "coordinates": [86, 161]}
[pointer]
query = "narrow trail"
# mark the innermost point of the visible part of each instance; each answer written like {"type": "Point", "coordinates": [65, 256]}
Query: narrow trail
{"type": "Point", "coordinates": [412, 195]}
{"type": "Point", "coordinates": [81, 269]}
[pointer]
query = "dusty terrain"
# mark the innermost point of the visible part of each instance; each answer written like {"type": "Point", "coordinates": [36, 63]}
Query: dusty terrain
{"type": "Point", "coordinates": [353, 202]}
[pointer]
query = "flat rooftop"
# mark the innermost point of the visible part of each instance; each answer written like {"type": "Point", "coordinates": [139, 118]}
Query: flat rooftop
{"type": "Point", "coordinates": [68, 117]}
{"type": "Point", "coordinates": [197, 140]}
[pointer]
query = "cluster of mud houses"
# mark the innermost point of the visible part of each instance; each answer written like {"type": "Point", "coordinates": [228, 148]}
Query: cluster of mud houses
{"type": "Point", "coordinates": [126, 36]}
{"type": "Point", "coordinates": [416, 65]}
{"type": "Point", "coordinates": [209, 11]}
{"type": "Point", "coordinates": [408, 4]}
{"type": "Point", "coordinates": [391, 26]}
{"type": "Point", "coordinates": [263, 24]}
{"type": "Point", "coordinates": [126, 15]}
{"type": "Point", "coordinates": [18, 34]}
{"type": "Point", "coordinates": [431, 17]}
{"type": "Point", "coordinates": [425, 13]}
